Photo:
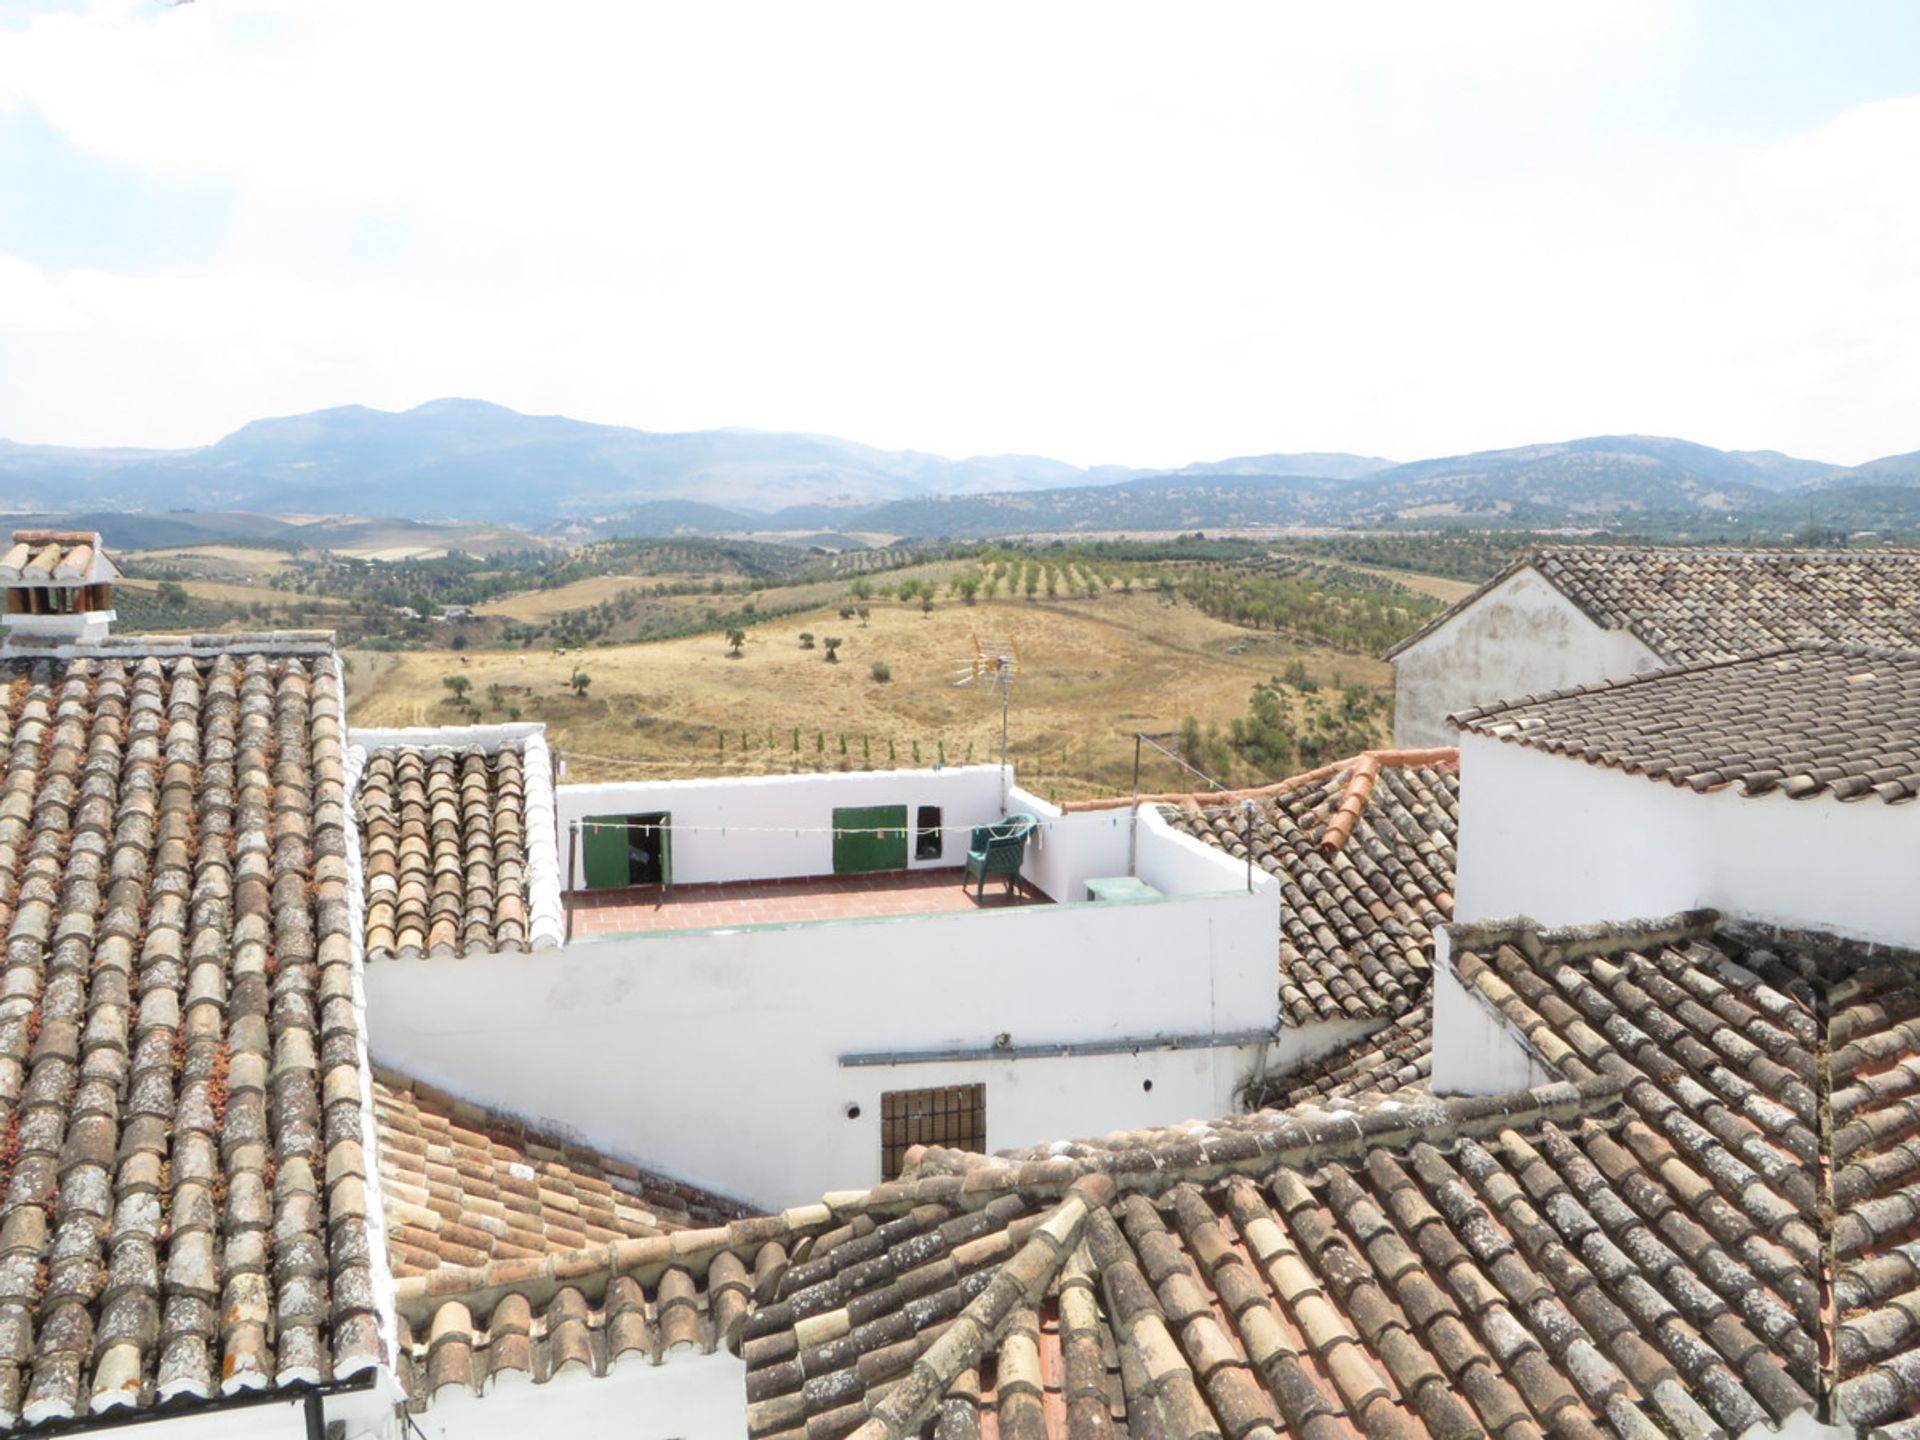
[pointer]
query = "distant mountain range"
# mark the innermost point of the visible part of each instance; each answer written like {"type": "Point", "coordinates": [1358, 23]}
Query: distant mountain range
{"type": "Point", "coordinates": [473, 461]}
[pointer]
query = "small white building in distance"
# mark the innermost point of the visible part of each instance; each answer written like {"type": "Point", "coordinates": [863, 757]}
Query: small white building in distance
{"type": "Point", "coordinates": [1570, 615]}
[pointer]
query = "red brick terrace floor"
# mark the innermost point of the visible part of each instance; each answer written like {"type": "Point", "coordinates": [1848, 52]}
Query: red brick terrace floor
{"type": "Point", "coordinates": [776, 902]}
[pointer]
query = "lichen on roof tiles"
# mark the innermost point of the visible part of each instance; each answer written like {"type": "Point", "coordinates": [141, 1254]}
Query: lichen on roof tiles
{"type": "Point", "coordinates": [1806, 721]}
{"type": "Point", "coordinates": [1365, 858]}
{"type": "Point", "coordinates": [1777, 1072]}
{"type": "Point", "coordinates": [1484, 1265]}
{"type": "Point", "coordinates": [444, 839]}
{"type": "Point", "coordinates": [1396, 1057]}
{"type": "Point", "coordinates": [595, 1310]}
{"type": "Point", "coordinates": [183, 1207]}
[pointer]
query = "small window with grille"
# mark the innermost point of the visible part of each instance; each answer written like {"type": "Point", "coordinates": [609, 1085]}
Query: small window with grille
{"type": "Point", "coordinates": [951, 1115]}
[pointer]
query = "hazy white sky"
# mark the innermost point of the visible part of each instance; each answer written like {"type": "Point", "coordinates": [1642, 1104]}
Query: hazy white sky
{"type": "Point", "coordinates": [1144, 234]}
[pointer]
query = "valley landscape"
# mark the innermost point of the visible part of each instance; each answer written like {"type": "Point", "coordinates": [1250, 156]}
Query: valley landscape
{"type": "Point", "coordinates": [544, 569]}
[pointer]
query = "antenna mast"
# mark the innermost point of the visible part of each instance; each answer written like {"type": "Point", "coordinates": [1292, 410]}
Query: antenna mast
{"type": "Point", "coordinates": [994, 666]}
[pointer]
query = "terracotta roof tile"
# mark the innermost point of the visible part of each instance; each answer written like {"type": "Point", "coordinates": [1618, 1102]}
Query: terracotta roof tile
{"type": "Point", "coordinates": [1639, 1248]}
{"type": "Point", "coordinates": [55, 557]}
{"type": "Point", "coordinates": [1811, 721]}
{"type": "Point", "coordinates": [464, 1186]}
{"type": "Point", "coordinates": [1446, 1268]}
{"type": "Point", "coordinates": [1396, 1057]}
{"type": "Point", "coordinates": [443, 835]}
{"type": "Point", "coordinates": [591, 1311]}
{"type": "Point", "coordinates": [1365, 855]}
{"type": "Point", "coordinates": [1773, 1079]}
{"type": "Point", "coordinates": [182, 1179]}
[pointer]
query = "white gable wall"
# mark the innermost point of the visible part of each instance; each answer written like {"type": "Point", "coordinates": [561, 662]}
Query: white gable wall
{"type": "Point", "coordinates": [1475, 1050]}
{"type": "Point", "coordinates": [1568, 843]}
{"type": "Point", "coordinates": [1522, 637]}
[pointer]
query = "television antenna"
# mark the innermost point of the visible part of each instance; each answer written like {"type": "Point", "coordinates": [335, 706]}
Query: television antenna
{"type": "Point", "coordinates": [994, 666]}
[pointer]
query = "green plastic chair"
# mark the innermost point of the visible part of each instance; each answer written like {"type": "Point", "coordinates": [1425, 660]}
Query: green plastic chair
{"type": "Point", "coordinates": [998, 850]}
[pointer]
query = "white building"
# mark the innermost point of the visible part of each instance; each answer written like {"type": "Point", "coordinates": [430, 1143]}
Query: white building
{"type": "Point", "coordinates": [1570, 615]}
{"type": "Point", "coordinates": [1688, 1211]}
{"type": "Point", "coordinates": [1773, 790]}
{"type": "Point", "coordinates": [783, 979]}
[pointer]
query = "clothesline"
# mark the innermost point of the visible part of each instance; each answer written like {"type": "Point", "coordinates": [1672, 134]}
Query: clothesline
{"type": "Point", "coordinates": [675, 827]}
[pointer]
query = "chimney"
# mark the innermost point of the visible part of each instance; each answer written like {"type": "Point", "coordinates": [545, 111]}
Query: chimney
{"type": "Point", "coordinates": [56, 585]}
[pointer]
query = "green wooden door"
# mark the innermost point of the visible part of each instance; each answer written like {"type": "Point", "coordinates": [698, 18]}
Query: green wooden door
{"type": "Point", "coordinates": [603, 846]}
{"type": "Point", "coordinates": [609, 845]}
{"type": "Point", "coordinates": [869, 837]}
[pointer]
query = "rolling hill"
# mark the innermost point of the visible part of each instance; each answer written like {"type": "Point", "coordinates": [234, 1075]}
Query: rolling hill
{"type": "Point", "coordinates": [477, 462]}
{"type": "Point", "coordinates": [467, 459]}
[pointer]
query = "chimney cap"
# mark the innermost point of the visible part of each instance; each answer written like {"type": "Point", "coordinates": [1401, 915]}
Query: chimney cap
{"type": "Point", "coordinates": [57, 537]}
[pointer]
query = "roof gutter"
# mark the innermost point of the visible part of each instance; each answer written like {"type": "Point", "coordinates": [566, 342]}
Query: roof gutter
{"type": "Point", "coordinates": [311, 1398]}
{"type": "Point", "coordinates": [1230, 1040]}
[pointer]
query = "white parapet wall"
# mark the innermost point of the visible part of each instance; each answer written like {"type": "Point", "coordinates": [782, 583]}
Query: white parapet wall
{"type": "Point", "coordinates": [752, 1060]}
{"type": "Point", "coordinates": [772, 827]}
{"type": "Point", "coordinates": [1069, 849]}
{"type": "Point", "coordinates": [1523, 637]}
{"type": "Point", "coordinates": [1570, 843]}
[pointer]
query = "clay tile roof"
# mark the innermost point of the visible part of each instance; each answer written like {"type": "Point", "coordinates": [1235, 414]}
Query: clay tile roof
{"type": "Point", "coordinates": [1364, 850]}
{"type": "Point", "coordinates": [592, 1310]}
{"type": "Point", "coordinates": [183, 1177]}
{"type": "Point", "coordinates": [1808, 721]}
{"type": "Point", "coordinates": [443, 838]}
{"type": "Point", "coordinates": [1698, 604]}
{"type": "Point", "coordinates": [1708, 1221]}
{"type": "Point", "coordinates": [1525, 1264]}
{"type": "Point", "coordinates": [56, 556]}
{"type": "Point", "coordinates": [464, 1186]}
{"type": "Point", "coordinates": [1780, 1075]}
{"type": "Point", "coordinates": [1396, 1058]}
{"type": "Point", "coordinates": [522, 1256]}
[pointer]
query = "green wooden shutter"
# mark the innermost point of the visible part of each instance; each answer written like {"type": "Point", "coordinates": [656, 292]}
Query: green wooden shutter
{"type": "Point", "coordinates": [868, 838]}
{"type": "Point", "coordinates": [603, 846]}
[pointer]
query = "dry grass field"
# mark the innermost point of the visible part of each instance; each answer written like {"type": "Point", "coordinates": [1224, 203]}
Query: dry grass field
{"type": "Point", "coordinates": [231, 563]}
{"type": "Point", "coordinates": [1094, 671]}
{"type": "Point", "coordinates": [223, 592]}
{"type": "Point", "coordinates": [535, 607]}
{"type": "Point", "coordinates": [532, 607]}
{"type": "Point", "coordinates": [1440, 587]}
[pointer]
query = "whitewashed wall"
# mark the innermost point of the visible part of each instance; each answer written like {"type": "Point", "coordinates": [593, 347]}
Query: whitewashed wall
{"type": "Point", "coordinates": [1300, 1045]}
{"type": "Point", "coordinates": [779, 826]}
{"type": "Point", "coordinates": [1070, 849]}
{"type": "Point", "coordinates": [1178, 864]}
{"type": "Point", "coordinates": [1522, 637]}
{"type": "Point", "coordinates": [714, 1055]}
{"type": "Point", "coordinates": [1475, 1050]}
{"type": "Point", "coordinates": [1568, 843]}
{"type": "Point", "coordinates": [689, 1397]}
{"type": "Point", "coordinates": [362, 1414]}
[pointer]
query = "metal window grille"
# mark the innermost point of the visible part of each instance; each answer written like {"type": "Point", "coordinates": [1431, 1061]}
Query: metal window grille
{"type": "Point", "coordinates": [951, 1115]}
